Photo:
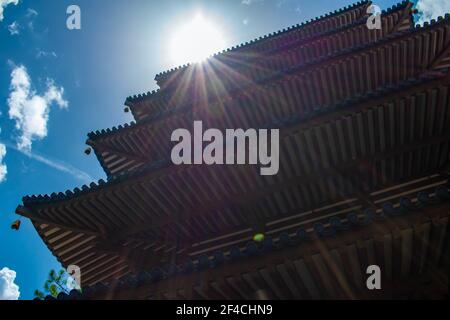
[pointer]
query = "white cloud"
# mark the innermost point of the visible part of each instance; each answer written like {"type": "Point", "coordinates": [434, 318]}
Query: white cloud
{"type": "Point", "coordinates": [14, 28]}
{"type": "Point", "coordinates": [245, 21]}
{"type": "Point", "coordinates": [4, 4]}
{"type": "Point", "coordinates": [8, 289]}
{"type": "Point", "coordinates": [280, 3]}
{"type": "Point", "coordinates": [54, 163]}
{"type": "Point", "coordinates": [30, 110]}
{"type": "Point", "coordinates": [60, 166]}
{"type": "Point", "coordinates": [31, 13]}
{"type": "Point", "coordinates": [45, 54]}
{"type": "Point", "coordinates": [3, 169]}
{"type": "Point", "coordinates": [431, 9]}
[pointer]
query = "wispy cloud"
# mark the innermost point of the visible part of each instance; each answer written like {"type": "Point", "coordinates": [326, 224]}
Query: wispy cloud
{"type": "Point", "coordinates": [31, 13]}
{"type": "Point", "coordinates": [45, 54]}
{"type": "Point", "coordinates": [4, 4]}
{"type": "Point", "coordinates": [53, 163]}
{"type": "Point", "coordinates": [14, 28]}
{"type": "Point", "coordinates": [3, 168]}
{"type": "Point", "coordinates": [431, 9]}
{"type": "Point", "coordinates": [8, 289]}
{"type": "Point", "coordinates": [30, 110]}
{"type": "Point", "coordinates": [249, 2]}
{"type": "Point", "coordinates": [280, 3]}
{"type": "Point", "coordinates": [293, 5]}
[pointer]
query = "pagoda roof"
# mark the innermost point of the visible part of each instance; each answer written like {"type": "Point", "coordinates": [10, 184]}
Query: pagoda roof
{"type": "Point", "coordinates": [369, 99]}
{"type": "Point", "coordinates": [281, 74]}
{"type": "Point", "coordinates": [124, 148]}
{"type": "Point", "coordinates": [243, 73]}
{"type": "Point", "coordinates": [366, 142]}
{"type": "Point", "coordinates": [144, 213]}
{"type": "Point", "coordinates": [399, 224]}
{"type": "Point", "coordinates": [256, 43]}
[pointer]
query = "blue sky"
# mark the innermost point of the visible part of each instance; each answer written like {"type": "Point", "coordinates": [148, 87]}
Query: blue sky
{"type": "Point", "coordinates": [81, 78]}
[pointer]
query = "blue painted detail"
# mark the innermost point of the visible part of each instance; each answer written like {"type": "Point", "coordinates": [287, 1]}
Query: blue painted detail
{"type": "Point", "coordinates": [338, 225]}
{"type": "Point", "coordinates": [284, 239]}
{"type": "Point", "coordinates": [267, 244]}
{"type": "Point", "coordinates": [321, 231]}
{"type": "Point", "coordinates": [303, 235]}
{"type": "Point", "coordinates": [235, 253]}
{"type": "Point", "coordinates": [172, 270]}
{"type": "Point", "coordinates": [219, 258]}
{"type": "Point", "coordinates": [188, 267]}
{"type": "Point", "coordinates": [251, 248]}
{"type": "Point", "coordinates": [157, 274]}
{"type": "Point", "coordinates": [390, 210]}
{"type": "Point", "coordinates": [204, 262]}
{"type": "Point", "coordinates": [442, 193]}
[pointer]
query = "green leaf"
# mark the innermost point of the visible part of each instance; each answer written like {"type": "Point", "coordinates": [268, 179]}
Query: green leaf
{"type": "Point", "coordinates": [38, 294]}
{"type": "Point", "coordinates": [52, 274]}
{"type": "Point", "coordinates": [54, 290]}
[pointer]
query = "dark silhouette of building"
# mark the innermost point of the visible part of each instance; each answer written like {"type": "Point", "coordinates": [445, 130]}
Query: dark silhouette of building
{"type": "Point", "coordinates": [364, 173]}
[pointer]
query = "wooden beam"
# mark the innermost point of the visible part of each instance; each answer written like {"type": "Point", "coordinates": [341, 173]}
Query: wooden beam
{"type": "Point", "coordinates": [100, 147]}
{"type": "Point", "coordinates": [297, 255]}
{"type": "Point", "coordinates": [308, 68]}
{"type": "Point", "coordinates": [250, 198]}
{"type": "Point", "coordinates": [28, 213]}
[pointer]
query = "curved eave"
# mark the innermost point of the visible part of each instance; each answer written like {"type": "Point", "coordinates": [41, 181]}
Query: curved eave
{"type": "Point", "coordinates": [78, 248]}
{"type": "Point", "coordinates": [92, 187]}
{"type": "Point", "coordinates": [403, 216]}
{"type": "Point", "coordinates": [364, 102]}
{"type": "Point", "coordinates": [130, 163]}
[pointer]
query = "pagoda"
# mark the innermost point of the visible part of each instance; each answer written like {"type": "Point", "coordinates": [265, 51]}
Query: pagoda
{"type": "Point", "coordinates": [364, 122]}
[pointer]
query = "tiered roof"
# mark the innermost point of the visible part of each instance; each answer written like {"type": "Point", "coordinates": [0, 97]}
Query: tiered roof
{"type": "Point", "coordinates": [127, 148]}
{"type": "Point", "coordinates": [363, 117]}
{"type": "Point", "coordinates": [257, 52]}
{"type": "Point", "coordinates": [298, 268]}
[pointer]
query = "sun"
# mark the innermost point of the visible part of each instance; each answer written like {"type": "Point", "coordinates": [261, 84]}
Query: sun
{"type": "Point", "coordinates": [195, 41]}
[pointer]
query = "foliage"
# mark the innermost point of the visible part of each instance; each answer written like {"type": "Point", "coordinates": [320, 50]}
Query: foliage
{"type": "Point", "coordinates": [55, 284]}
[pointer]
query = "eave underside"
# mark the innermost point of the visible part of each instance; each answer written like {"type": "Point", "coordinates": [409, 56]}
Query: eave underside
{"type": "Point", "coordinates": [344, 164]}
{"type": "Point", "coordinates": [412, 252]}
{"type": "Point", "coordinates": [344, 79]}
{"type": "Point", "coordinates": [104, 257]}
